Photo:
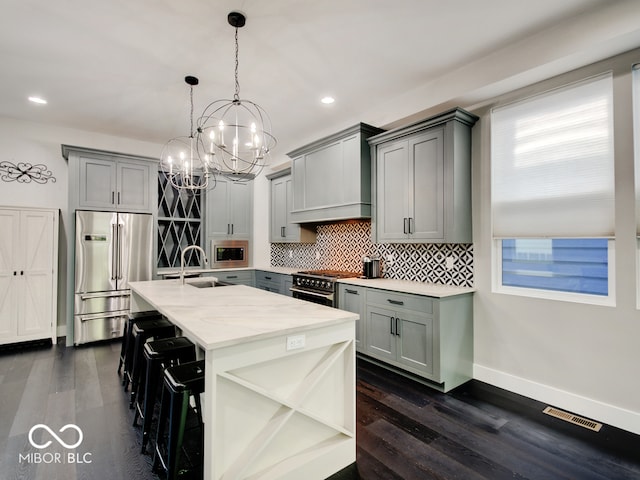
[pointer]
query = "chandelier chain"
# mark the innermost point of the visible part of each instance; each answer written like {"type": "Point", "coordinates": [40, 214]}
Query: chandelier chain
{"type": "Point", "coordinates": [191, 111]}
{"type": "Point", "coordinates": [236, 96]}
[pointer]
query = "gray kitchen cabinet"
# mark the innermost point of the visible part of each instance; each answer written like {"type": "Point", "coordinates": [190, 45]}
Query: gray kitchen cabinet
{"type": "Point", "coordinates": [235, 277]}
{"type": "Point", "coordinates": [269, 281]}
{"type": "Point", "coordinates": [229, 210]}
{"type": "Point", "coordinates": [114, 184]}
{"type": "Point", "coordinates": [109, 181]}
{"type": "Point", "coordinates": [332, 177]}
{"type": "Point", "coordinates": [427, 337]}
{"type": "Point", "coordinates": [282, 229]}
{"type": "Point", "coordinates": [422, 181]}
{"type": "Point", "coordinates": [353, 299]}
{"type": "Point", "coordinates": [274, 282]}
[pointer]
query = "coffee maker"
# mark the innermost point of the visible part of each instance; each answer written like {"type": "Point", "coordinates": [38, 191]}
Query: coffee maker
{"type": "Point", "coordinates": [371, 266]}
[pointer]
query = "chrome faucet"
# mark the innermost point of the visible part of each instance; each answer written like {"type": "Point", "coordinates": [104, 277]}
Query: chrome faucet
{"type": "Point", "coordinates": [185, 250]}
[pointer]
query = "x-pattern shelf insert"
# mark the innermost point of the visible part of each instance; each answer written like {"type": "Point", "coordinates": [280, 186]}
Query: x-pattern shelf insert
{"type": "Point", "coordinates": [179, 223]}
{"type": "Point", "coordinates": [291, 405]}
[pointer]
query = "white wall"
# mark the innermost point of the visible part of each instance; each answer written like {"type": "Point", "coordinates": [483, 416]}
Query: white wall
{"type": "Point", "coordinates": [35, 143]}
{"type": "Point", "coordinates": [582, 358]}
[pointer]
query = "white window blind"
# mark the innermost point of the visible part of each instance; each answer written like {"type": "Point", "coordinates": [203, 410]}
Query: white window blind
{"type": "Point", "coordinates": [552, 163]}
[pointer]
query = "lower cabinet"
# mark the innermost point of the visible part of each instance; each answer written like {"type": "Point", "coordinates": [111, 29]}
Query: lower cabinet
{"type": "Point", "coordinates": [425, 336]}
{"type": "Point", "coordinates": [352, 299]}
{"type": "Point", "coordinates": [235, 277]}
{"type": "Point", "coordinates": [274, 282]}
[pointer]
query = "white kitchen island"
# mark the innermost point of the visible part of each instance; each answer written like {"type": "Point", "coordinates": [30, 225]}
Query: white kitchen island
{"type": "Point", "coordinates": [279, 398]}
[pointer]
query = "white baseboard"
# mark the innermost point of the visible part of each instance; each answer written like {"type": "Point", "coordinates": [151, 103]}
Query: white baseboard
{"type": "Point", "coordinates": [583, 406]}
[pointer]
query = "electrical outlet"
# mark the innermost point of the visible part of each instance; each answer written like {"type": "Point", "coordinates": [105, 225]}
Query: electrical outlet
{"type": "Point", "coordinates": [449, 262]}
{"type": "Point", "coordinates": [295, 342]}
{"type": "Point", "coordinates": [317, 255]}
{"type": "Point", "coordinates": [290, 253]}
{"type": "Point", "coordinates": [389, 259]}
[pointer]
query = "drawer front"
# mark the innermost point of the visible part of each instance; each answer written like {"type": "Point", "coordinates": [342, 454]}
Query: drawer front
{"type": "Point", "coordinates": [262, 276]}
{"type": "Point", "coordinates": [244, 277]}
{"type": "Point", "coordinates": [400, 300]}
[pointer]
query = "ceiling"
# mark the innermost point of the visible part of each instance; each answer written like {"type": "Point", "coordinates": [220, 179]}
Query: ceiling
{"type": "Point", "coordinates": [117, 67]}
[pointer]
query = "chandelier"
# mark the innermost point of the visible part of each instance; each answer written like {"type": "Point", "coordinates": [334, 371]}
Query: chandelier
{"type": "Point", "coordinates": [232, 138]}
{"type": "Point", "coordinates": [180, 160]}
{"type": "Point", "coordinates": [235, 135]}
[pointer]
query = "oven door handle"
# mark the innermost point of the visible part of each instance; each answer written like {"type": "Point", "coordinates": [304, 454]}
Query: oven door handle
{"type": "Point", "coordinates": [313, 294]}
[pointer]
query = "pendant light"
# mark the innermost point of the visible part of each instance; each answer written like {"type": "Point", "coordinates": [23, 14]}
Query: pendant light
{"type": "Point", "coordinates": [234, 135]}
{"type": "Point", "coordinates": [180, 160]}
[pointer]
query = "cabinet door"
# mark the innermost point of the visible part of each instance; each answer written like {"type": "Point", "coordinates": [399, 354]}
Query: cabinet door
{"type": "Point", "coordinates": [279, 209]}
{"type": "Point", "coordinates": [352, 299]}
{"type": "Point", "coordinates": [36, 259]}
{"type": "Point", "coordinates": [415, 341]}
{"type": "Point", "coordinates": [133, 182]}
{"type": "Point", "coordinates": [241, 208]}
{"type": "Point", "coordinates": [426, 187]}
{"type": "Point", "coordinates": [97, 183]}
{"type": "Point", "coordinates": [392, 197]}
{"type": "Point", "coordinates": [380, 339]}
{"type": "Point", "coordinates": [218, 223]}
{"type": "Point", "coordinates": [9, 219]}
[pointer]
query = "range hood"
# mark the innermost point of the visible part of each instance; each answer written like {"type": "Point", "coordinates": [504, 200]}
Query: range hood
{"type": "Point", "coordinates": [332, 177]}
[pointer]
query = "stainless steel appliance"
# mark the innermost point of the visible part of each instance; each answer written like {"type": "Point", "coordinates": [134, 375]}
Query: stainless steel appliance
{"type": "Point", "coordinates": [319, 286]}
{"type": "Point", "coordinates": [371, 266]}
{"type": "Point", "coordinates": [112, 249]}
{"type": "Point", "coordinates": [229, 253]}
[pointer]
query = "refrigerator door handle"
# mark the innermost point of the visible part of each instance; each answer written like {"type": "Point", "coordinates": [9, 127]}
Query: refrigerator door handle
{"type": "Point", "coordinates": [114, 260]}
{"type": "Point", "coordinates": [98, 316]}
{"type": "Point", "coordinates": [119, 251]}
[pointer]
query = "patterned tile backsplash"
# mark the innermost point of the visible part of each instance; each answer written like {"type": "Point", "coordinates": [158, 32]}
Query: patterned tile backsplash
{"type": "Point", "coordinates": [341, 246]}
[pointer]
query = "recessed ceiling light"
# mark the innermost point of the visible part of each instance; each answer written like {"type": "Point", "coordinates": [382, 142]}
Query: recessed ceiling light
{"type": "Point", "coordinates": [328, 100]}
{"type": "Point", "coordinates": [38, 100]}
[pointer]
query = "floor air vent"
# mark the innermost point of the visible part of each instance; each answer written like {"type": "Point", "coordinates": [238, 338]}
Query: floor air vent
{"type": "Point", "coordinates": [571, 418]}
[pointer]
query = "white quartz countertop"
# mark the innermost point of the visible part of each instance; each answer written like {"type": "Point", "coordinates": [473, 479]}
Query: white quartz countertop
{"type": "Point", "coordinates": [223, 316]}
{"type": "Point", "coordinates": [283, 270]}
{"type": "Point", "coordinates": [407, 286]}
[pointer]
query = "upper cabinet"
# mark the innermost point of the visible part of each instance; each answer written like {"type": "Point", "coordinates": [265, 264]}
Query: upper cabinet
{"type": "Point", "coordinates": [332, 177]}
{"type": "Point", "coordinates": [229, 209]}
{"type": "Point", "coordinates": [113, 182]}
{"type": "Point", "coordinates": [422, 181]}
{"type": "Point", "coordinates": [282, 229]}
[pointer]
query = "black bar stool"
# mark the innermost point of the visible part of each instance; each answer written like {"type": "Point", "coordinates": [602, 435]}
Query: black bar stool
{"type": "Point", "coordinates": [142, 331]}
{"type": "Point", "coordinates": [127, 335]}
{"type": "Point", "coordinates": [158, 355]}
{"type": "Point", "coordinates": [181, 382]}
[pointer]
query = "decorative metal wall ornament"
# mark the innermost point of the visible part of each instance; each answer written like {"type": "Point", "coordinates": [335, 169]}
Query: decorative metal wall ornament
{"type": "Point", "coordinates": [24, 172]}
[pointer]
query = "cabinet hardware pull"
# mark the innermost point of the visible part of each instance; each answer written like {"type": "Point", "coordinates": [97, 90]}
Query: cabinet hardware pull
{"type": "Point", "coordinates": [391, 326]}
{"type": "Point", "coordinates": [21, 272]}
{"type": "Point", "coordinates": [411, 224]}
{"type": "Point", "coordinates": [15, 273]}
{"type": "Point", "coordinates": [353, 292]}
{"type": "Point", "coordinates": [404, 229]}
{"type": "Point", "coordinates": [113, 197]}
{"type": "Point", "coordinates": [232, 229]}
{"type": "Point", "coordinates": [228, 229]}
{"type": "Point", "coordinates": [395, 302]}
{"type": "Point", "coordinates": [282, 232]}
{"type": "Point", "coordinates": [231, 276]}
{"type": "Point", "coordinates": [267, 278]}
{"type": "Point", "coordinates": [397, 330]}
{"type": "Point", "coordinates": [118, 198]}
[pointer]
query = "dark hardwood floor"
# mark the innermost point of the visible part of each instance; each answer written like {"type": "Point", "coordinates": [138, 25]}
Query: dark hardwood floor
{"type": "Point", "coordinates": [404, 430]}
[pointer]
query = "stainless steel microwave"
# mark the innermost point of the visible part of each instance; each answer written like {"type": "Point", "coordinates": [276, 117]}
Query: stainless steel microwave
{"type": "Point", "coordinates": [229, 253]}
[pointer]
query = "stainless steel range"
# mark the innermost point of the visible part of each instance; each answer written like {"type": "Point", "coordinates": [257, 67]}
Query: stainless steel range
{"type": "Point", "coordinates": [319, 286]}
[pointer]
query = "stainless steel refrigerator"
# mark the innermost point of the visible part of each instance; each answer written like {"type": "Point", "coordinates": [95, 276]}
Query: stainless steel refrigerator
{"type": "Point", "coordinates": [112, 249]}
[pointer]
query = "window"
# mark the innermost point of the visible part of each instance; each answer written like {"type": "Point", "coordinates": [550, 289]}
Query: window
{"type": "Point", "coordinates": [552, 195]}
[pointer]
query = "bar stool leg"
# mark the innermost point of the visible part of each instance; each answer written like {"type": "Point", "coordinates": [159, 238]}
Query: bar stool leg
{"type": "Point", "coordinates": [178, 420]}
